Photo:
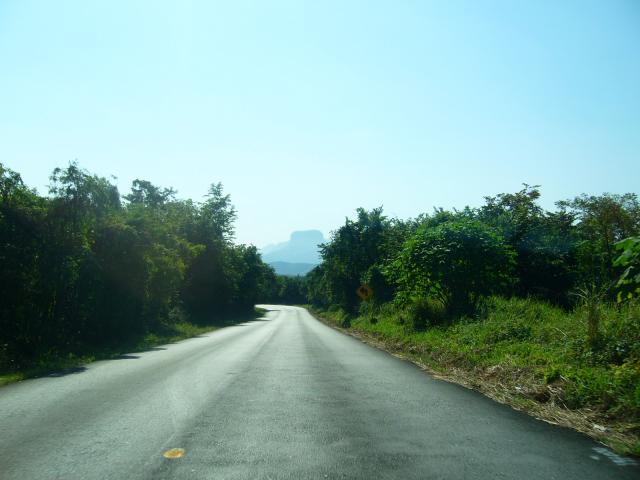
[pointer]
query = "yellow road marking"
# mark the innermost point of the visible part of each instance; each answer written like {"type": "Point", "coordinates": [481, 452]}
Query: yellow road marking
{"type": "Point", "coordinates": [174, 453]}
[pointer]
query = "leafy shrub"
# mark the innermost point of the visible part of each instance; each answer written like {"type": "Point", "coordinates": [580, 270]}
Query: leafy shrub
{"type": "Point", "coordinates": [424, 312]}
{"type": "Point", "coordinates": [590, 306]}
{"type": "Point", "coordinates": [515, 330]}
{"type": "Point", "coordinates": [619, 334]}
{"type": "Point", "coordinates": [457, 262]}
{"type": "Point", "coordinates": [629, 282]}
{"type": "Point", "coordinates": [552, 374]}
{"type": "Point", "coordinates": [340, 316]}
{"type": "Point", "coordinates": [615, 389]}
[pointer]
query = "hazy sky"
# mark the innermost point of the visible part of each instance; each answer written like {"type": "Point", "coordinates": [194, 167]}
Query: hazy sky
{"type": "Point", "coordinates": [307, 110]}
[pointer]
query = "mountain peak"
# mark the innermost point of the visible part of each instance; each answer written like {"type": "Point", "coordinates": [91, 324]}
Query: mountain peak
{"type": "Point", "coordinates": [314, 237]}
{"type": "Point", "coordinates": [302, 247]}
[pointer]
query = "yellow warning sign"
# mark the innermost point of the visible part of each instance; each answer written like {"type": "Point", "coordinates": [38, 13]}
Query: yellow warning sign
{"type": "Point", "coordinates": [365, 292]}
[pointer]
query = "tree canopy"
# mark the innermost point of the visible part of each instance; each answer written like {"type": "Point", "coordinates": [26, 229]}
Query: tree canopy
{"type": "Point", "coordinates": [509, 245]}
{"type": "Point", "coordinates": [86, 266]}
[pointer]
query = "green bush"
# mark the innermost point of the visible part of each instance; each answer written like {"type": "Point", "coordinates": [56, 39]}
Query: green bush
{"type": "Point", "coordinates": [457, 262]}
{"type": "Point", "coordinates": [515, 330]}
{"type": "Point", "coordinates": [628, 284]}
{"type": "Point", "coordinates": [618, 334]}
{"type": "Point", "coordinates": [424, 312]}
{"type": "Point", "coordinates": [552, 374]}
{"type": "Point", "coordinates": [339, 315]}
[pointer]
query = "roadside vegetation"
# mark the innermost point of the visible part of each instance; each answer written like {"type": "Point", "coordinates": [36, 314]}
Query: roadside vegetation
{"type": "Point", "coordinates": [88, 273]}
{"type": "Point", "coordinates": [537, 309]}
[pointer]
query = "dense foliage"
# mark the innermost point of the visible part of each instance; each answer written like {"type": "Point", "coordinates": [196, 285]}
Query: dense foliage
{"type": "Point", "coordinates": [456, 262]}
{"type": "Point", "coordinates": [288, 290]}
{"type": "Point", "coordinates": [629, 282]}
{"type": "Point", "coordinates": [510, 245]}
{"type": "Point", "coordinates": [86, 266]}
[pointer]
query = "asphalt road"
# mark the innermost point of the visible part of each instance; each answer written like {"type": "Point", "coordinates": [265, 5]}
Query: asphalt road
{"type": "Point", "coordinates": [280, 397]}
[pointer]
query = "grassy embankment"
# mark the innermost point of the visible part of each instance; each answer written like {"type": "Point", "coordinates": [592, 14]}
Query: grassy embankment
{"type": "Point", "coordinates": [51, 362]}
{"type": "Point", "coordinates": [579, 369]}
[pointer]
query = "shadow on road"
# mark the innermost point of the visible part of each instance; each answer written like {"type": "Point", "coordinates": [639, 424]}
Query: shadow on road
{"type": "Point", "coordinates": [67, 371]}
{"type": "Point", "coordinates": [243, 320]}
{"type": "Point", "coordinates": [248, 323]}
{"type": "Point", "coordinates": [56, 368]}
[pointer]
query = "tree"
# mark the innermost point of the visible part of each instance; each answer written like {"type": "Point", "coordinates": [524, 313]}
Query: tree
{"type": "Point", "coordinates": [22, 213]}
{"type": "Point", "coordinates": [317, 288]}
{"type": "Point", "coordinates": [212, 280]}
{"type": "Point", "coordinates": [457, 262]}
{"type": "Point", "coordinates": [217, 216]}
{"type": "Point", "coordinates": [254, 275]}
{"type": "Point", "coordinates": [119, 286]}
{"type": "Point", "coordinates": [354, 248]}
{"type": "Point", "coordinates": [545, 243]}
{"type": "Point", "coordinates": [81, 269]}
{"type": "Point", "coordinates": [601, 221]}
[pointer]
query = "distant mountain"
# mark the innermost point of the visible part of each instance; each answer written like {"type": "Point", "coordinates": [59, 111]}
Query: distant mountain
{"type": "Point", "coordinates": [292, 269]}
{"type": "Point", "coordinates": [302, 247]}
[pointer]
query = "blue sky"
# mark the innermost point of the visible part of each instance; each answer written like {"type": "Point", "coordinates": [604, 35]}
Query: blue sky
{"type": "Point", "coordinates": [307, 110]}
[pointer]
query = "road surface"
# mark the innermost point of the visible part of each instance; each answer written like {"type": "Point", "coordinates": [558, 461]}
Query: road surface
{"type": "Point", "coordinates": [280, 397]}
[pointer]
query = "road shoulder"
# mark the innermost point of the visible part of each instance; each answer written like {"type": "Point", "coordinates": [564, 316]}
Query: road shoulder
{"type": "Point", "coordinates": [585, 421]}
